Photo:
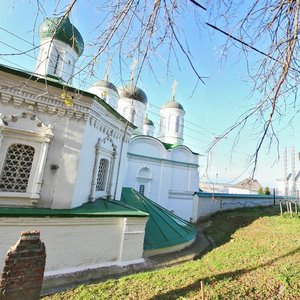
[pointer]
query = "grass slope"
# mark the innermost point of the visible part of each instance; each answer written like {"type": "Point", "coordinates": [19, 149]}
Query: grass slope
{"type": "Point", "coordinates": [257, 256]}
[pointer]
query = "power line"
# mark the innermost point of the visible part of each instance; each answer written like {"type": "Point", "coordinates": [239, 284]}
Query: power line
{"type": "Point", "coordinates": [87, 83]}
{"type": "Point", "coordinates": [247, 45]}
{"type": "Point", "coordinates": [13, 34]}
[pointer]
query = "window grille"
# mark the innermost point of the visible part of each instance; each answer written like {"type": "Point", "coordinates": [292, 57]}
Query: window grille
{"type": "Point", "coordinates": [56, 63]}
{"type": "Point", "coordinates": [16, 168]}
{"type": "Point", "coordinates": [142, 189]}
{"type": "Point", "coordinates": [102, 174]}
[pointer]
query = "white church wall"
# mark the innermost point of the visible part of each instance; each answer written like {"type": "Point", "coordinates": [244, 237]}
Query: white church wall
{"type": "Point", "coordinates": [180, 178]}
{"type": "Point", "coordinates": [147, 147]}
{"type": "Point", "coordinates": [70, 157]}
{"type": "Point", "coordinates": [126, 107]}
{"type": "Point", "coordinates": [108, 95]}
{"type": "Point", "coordinates": [68, 167]}
{"type": "Point", "coordinates": [64, 148]}
{"type": "Point", "coordinates": [103, 241]}
{"type": "Point", "coordinates": [181, 203]}
{"type": "Point", "coordinates": [174, 174]}
{"type": "Point", "coordinates": [107, 141]}
{"type": "Point", "coordinates": [182, 155]}
{"type": "Point", "coordinates": [57, 59]}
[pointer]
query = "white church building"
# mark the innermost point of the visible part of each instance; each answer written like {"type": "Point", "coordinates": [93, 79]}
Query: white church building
{"type": "Point", "coordinates": [66, 154]}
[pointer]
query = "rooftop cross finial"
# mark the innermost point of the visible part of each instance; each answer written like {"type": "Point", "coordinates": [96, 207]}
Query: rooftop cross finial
{"type": "Point", "coordinates": [70, 8]}
{"type": "Point", "coordinates": [132, 69]}
{"type": "Point", "coordinates": [174, 90]}
{"type": "Point", "coordinates": [106, 78]}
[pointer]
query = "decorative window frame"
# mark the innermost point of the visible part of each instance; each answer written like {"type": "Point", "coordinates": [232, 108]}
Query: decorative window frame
{"type": "Point", "coordinates": [103, 151]}
{"type": "Point", "coordinates": [144, 180]}
{"type": "Point", "coordinates": [26, 129]}
{"type": "Point", "coordinates": [102, 183]}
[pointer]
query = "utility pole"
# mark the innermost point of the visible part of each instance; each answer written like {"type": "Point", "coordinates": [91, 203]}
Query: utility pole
{"type": "Point", "coordinates": [285, 173]}
{"type": "Point", "coordinates": [293, 172]}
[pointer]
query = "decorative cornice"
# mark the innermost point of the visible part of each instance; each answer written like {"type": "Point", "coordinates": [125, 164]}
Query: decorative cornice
{"type": "Point", "coordinates": [88, 111]}
{"type": "Point", "coordinates": [164, 160]}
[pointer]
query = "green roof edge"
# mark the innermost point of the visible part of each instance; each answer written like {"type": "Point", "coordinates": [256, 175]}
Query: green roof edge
{"type": "Point", "coordinates": [183, 231]}
{"type": "Point", "coordinates": [167, 146]}
{"type": "Point", "coordinates": [97, 209]}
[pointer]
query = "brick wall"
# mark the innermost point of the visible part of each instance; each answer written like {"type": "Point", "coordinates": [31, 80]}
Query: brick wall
{"type": "Point", "coordinates": [23, 270]}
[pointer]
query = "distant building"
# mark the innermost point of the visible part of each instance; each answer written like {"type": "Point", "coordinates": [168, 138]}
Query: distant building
{"type": "Point", "coordinates": [246, 186]}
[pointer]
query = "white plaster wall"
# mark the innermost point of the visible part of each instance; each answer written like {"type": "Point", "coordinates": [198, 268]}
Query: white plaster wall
{"type": "Point", "coordinates": [72, 149]}
{"type": "Point", "coordinates": [172, 183]}
{"type": "Point", "coordinates": [64, 151]}
{"type": "Point", "coordinates": [126, 106]}
{"type": "Point", "coordinates": [87, 161]}
{"type": "Point", "coordinates": [69, 155]}
{"type": "Point", "coordinates": [108, 95]}
{"type": "Point", "coordinates": [157, 186]}
{"type": "Point", "coordinates": [74, 244]}
{"type": "Point", "coordinates": [147, 146]}
{"type": "Point", "coordinates": [207, 205]}
{"type": "Point", "coordinates": [148, 130]}
{"type": "Point", "coordinates": [167, 132]}
{"type": "Point", "coordinates": [181, 203]}
{"type": "Point", "coordinates": [46, 61]}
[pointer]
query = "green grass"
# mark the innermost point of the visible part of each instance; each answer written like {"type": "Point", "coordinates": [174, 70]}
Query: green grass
{"type": "Point", "coordinates": [257, 256]}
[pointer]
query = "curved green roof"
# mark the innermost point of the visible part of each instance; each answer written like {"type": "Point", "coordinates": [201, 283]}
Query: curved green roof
{"type": "Point", "coordinates": [62, 29]}
{"type": "Point", "coordinates": [99, 208]}
{"type": "Point", "coordinates": [133, 92]}
{"type": "Point", "coordinates": [163, 229]}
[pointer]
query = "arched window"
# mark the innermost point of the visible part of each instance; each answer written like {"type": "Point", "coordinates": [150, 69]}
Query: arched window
{"type": "Point", "coordinates": [102, 175]}
{"type": "Point", "coordinates": [132, 117]}
{"type": "Point", "coordinates": [16, 168]}
{"type": "Point", "coordinates": [172, 123]}
{"type": "Point", "coordinates": [177, 124]}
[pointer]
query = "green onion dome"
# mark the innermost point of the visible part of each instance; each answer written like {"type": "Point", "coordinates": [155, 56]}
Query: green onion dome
{"type": "Point", "coordinates": [133, 92]}
{"type": "Point", "coordinates": [60, 28]}
{"type": "Point", "coordinates": [106, 84]}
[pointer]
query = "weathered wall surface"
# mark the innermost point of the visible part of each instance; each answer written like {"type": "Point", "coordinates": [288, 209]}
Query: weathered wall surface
{"type": "Point", "coordinates": [75, 244]}
{"type": "Point", "coordinates": [23, 270]}
{"type": "Point", "coordinates": [206, 204]}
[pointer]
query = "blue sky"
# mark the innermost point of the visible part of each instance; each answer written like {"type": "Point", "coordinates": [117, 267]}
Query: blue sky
{"type": "Point", "coordinates": [210, 109]}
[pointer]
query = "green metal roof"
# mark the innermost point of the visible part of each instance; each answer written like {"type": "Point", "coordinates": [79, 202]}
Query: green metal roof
{"type": "Point", "coordinates": [98, 208]}
{"type": "Point", "coordinates": [163, 229]}
{"type": "Point", "coordinates": [62, 29]}
{"type": "Point", "coordinates": [170, 146]}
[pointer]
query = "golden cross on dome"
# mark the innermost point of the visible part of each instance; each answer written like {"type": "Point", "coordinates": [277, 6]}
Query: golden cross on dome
{"type": "Point", "coordinates": [106, 78]}
{"type": "Point", "coordinates": [174, 90]}
{"type": "Point", "coordinates": [132, 68]}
